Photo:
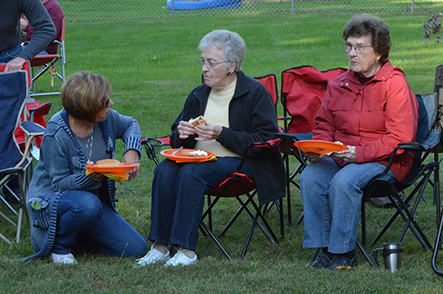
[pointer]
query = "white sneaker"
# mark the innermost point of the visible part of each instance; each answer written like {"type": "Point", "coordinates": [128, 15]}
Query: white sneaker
{"type": "Point", "coordinates": [63, 258]}
{"type": "Point", "coordinates": [153, 256]}
{"type": "Point", "coordinates": [181, 259]}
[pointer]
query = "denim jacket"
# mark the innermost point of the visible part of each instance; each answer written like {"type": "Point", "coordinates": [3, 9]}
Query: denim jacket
{"type": "Point", "coordinates": [61, 167]}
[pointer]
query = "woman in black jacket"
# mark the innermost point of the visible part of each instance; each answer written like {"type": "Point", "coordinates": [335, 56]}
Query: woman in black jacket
{"type": "Point", "coordinates": [237, 111]}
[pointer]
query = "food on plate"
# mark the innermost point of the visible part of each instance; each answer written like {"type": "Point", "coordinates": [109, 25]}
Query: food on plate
{"type": "Point", "coordinates": [197, 121]}
{"type": "Point", "coordinates": [338, 142]}
{"type": "Point", "coordinates": [108, 162]}
{"type": "Point", "coordinates": [198, 153]}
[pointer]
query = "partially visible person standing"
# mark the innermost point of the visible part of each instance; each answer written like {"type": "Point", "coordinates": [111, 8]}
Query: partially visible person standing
{"type": "Point", "coordinates": [56, 14]}
{"type": "Point", "coordinates": [11, 51]}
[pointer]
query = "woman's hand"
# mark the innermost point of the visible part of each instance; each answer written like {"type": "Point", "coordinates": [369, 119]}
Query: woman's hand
{"type": "Point", "coordinates": [312, 157]}
{"type": "Point", "coordinates": [97, 177]}
{"type": "Point", "coordinates": [15, 64]}
{"type": "Point", "coordinates": [208, 132]}
{"type": "Point", "coordinates": [346, 157]}
{"type": "Point", "coordinates": [185, 129]}
{"type": "Point", "coordinates": [132, 156]}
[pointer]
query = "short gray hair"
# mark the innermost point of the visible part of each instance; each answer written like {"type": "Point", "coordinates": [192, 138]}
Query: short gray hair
{"type": "Point", "coordinates": [228, 42]}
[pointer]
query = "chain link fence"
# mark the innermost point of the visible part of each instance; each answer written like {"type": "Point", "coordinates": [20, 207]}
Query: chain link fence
{"type": "Point", "coordinates": [115, 10]}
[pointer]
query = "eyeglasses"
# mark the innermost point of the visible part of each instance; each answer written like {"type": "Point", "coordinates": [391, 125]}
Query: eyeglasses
{"type": "Point", "coordinates": [359, 48]}
{"type": "Point", "coordinates": [210, 63]}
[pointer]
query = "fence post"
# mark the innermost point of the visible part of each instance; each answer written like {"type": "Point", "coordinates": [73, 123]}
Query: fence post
{"type": "Point", "coordinates": [172, 8]}
{"type": "Point", "coordinates": [412, 6]}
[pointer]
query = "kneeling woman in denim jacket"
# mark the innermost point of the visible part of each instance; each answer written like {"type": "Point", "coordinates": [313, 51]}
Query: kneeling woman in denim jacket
{"type": "Point", "coordinates": [68, 208]}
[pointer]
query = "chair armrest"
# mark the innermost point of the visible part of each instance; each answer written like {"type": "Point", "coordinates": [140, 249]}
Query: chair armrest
{"type": "Point", "coordinates": [152, 141]}
{"type": "Point", "coordinates": [411, 146]}
{"type": "Point", "coordinates": [40, 110]}
{"type": "Point", "coordinates": [32, 129]}
{"type": "Point", "coordinates": [270, 144]}
{"type": "Point", "coordinates": [294, 137]}
{"type": "Point", "coordinates": [152, 145]}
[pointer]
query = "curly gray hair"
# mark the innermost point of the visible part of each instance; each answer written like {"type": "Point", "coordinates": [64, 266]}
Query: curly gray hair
{"type": "Point", "coordinates": [228, 42]}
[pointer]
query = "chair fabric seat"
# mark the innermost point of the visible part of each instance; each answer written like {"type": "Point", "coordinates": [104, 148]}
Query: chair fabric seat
{"type": "Point", "coordinates": [232, 188]}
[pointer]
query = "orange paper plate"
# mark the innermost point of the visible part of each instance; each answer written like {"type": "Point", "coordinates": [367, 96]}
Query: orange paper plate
{"type": "Point", "coordinates": [112, 169]}
{"type": "Point", "coordinates": [183, 156]}
{"type": "Point", "coordinates": [319, 147]}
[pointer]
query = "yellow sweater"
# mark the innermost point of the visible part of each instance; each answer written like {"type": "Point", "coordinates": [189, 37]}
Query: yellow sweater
{"type": "Point", "coordinates": [217, 113]}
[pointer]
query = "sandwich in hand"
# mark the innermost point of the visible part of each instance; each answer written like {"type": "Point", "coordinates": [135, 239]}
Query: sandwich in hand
{"type": "Point", "coordinates": [197, 121]}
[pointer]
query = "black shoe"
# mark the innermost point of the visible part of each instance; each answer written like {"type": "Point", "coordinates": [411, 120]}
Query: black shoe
{"type": "Point", "coordinates": [340, 262]}
{"type": "Point", "coordinates": [322, 261]}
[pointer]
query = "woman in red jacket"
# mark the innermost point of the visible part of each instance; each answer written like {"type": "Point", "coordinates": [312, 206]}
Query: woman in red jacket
{"type": "Point", "coordinates": [371, 109]}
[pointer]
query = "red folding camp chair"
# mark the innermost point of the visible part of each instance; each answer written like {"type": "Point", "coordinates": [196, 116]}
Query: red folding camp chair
{"type": "Point", "coordinates": [48, 64]}
{"type": "Point", "coordinates": [302, 92]}
{"type": "Point", "coordinates": [234, 186]}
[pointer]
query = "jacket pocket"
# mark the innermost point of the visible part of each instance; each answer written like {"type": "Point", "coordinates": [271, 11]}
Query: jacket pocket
{"type": "Point", "coordinates": [373, 117]}
{"type": "Point", "coordinates": [344, 115]}
{"type": "Point", "coordinates": [39, 209]}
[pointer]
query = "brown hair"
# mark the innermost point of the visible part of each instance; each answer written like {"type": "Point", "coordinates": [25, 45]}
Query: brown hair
{"type": "Point", "coordinates": [366, 24]}
{"type": "Point", "coordinates": [84, 94]}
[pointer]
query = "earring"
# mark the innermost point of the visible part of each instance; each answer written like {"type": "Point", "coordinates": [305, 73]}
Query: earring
{"type": "Point", "coordinates": [228, 73]}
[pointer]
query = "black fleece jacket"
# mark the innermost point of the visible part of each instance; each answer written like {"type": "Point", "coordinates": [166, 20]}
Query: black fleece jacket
{"type": "Point", "coordinates": [252, 118]}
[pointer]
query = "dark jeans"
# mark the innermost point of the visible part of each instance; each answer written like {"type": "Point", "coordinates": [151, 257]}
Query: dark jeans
{"type": "Point", "coordinates": [178, 192]}
{"type": "Point", "coordinates": [82, 217]}
{"type": "Point", "coordinates": [10, 54]}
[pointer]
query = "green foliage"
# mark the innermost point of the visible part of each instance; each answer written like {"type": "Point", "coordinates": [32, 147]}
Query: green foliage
{"type": "Point", "coordinates": [152, 66]}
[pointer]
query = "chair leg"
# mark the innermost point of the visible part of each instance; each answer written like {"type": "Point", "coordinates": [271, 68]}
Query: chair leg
{"type": "Point", "coordinates": [437, 247]}
{"type": "Point", "coordinates": [244, 206]}
{"type": "Point", "coordinates": [251, 231]}
{"type": "Point", "coordinates": [5, 239]}
{"type": "Point", "coordinates": [7, 219]}
{"type": "Point", "coordinates": [401, 207]}
{"type": "Point", "coordinates": [19, 224]}
{"type": "Point", "coordinates": [314, 256]}
{"type": "Point", "coordinates": [209, 232]}
{"type": "Point", "coordinates": [300, 219]}
{"type": "Point", "coordinates": [366, 255]}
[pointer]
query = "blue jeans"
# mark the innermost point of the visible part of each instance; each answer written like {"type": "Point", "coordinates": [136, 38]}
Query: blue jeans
{"type": "Point", "coordinates": [83, 218]}
{"type": "Point", "coordinates": [178, 192]}
{"type": "Point", "coordinates": [10, 54]}
{"type": "Point", "coordinates": [331, 197]}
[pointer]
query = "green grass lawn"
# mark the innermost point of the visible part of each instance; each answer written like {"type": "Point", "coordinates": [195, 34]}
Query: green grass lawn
{"type": "Point", "coordinates": [152, 66]}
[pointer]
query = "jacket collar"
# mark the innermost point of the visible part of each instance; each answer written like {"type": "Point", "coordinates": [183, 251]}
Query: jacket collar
{"type": "Point", "coordinates": [350, 78]}
{"type": "Point", "coordinates": [202, 92]}
{"type": "Point", "coordinates": [105, 126]}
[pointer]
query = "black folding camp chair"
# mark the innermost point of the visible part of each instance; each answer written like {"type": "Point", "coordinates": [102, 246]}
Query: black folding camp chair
{"type": "Point", "coordinates": [424, 171]}
{"type": "Point", "coordinates": [438, 88]}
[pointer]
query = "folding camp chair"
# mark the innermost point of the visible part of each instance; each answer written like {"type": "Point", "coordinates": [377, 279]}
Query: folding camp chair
{"type": "Point", "coordinates": [48, 64]}
{"type": "Point", "coordinates": [438, 88]}
{"type": "Point", "coordinates": [428, 137]}
{"type": "Point", "coordinates": [234, 186]}
{"type": "Point", "coordinates": [302, 92]}
{"type": "Point", "coordinates": [270, 83]}
{"type": "Point", "coordinates": [36, 113]}
{"type": "Point", "coordinates": [13, 95]}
